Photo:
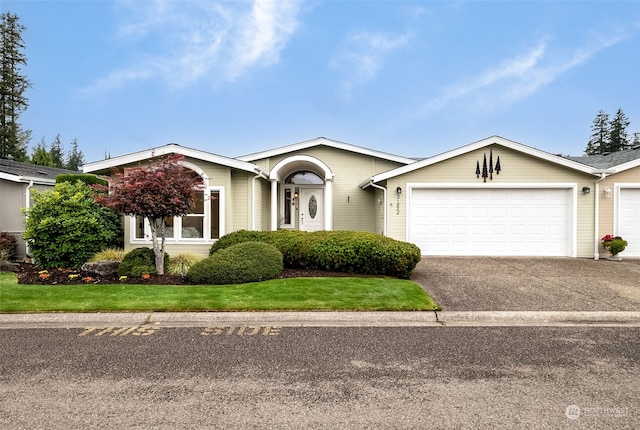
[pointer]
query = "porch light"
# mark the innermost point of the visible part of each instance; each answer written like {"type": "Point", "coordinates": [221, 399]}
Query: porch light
{"type": "Point", "coordinates": [399, 190]}
{"type": "Point", "coordinates": [607, 192]}
{"type": "Point", "coordinates": [586, 190]}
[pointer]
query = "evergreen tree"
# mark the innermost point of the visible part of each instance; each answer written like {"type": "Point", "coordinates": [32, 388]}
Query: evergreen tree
{"type": "Point", "coordinates": [618, 138]}
{"type": "Point", "coordinates": [12, 87]}
{"type": "Point", "coordinates": [41, 155]}
{"type": "Point", "coordinates": [636, 139]}
{"type": "Point", "coordinates": [57, 153]}
{"type": "Point", "coordinates": [75, 158]}
{"type": "Point", "coordinates": [600, 135]}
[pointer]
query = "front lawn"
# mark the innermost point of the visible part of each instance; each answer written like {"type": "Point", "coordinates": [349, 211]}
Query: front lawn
{"type": "Point", "coordinates": [287, 294]}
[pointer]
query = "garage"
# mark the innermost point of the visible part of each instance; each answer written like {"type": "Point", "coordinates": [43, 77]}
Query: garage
{"type": "Point", "coordinates": [492, 221]}
{"type": "Point", "coordinates": [629, 220]}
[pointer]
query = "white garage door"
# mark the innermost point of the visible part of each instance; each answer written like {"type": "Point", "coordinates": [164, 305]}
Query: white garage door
{"type": "Point", "coordinates": [629, 220]}
{"type": "Point", "coordinates": [510, 222]}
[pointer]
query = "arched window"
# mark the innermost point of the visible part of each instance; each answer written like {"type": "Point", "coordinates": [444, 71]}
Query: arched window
{"type": "Point", "coordinates": [304, 177]}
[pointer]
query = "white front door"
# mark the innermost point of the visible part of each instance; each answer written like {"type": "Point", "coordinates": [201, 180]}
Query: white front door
{"type": "Point", "coordinates": [311, 209]}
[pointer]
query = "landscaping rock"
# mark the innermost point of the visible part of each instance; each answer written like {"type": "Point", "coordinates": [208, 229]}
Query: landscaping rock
{"type": "Point", "coordinates": [7, 266]}
{"type": "Point", "coordinates": [103, 268]}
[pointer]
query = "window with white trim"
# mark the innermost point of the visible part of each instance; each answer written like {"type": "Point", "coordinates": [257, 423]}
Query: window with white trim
{"type": "Point", "coordinates": [205, 222]}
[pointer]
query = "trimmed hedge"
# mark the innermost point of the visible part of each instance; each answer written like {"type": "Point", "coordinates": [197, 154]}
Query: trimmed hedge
{"type": "Point", "coordinates": [238, 264]}
{"type": "Point", "coordinates": [140, 261]}
{"type": "Point", "coordinates": [336, 251]}
{"type": "Point", "coordinates": [87, 178]}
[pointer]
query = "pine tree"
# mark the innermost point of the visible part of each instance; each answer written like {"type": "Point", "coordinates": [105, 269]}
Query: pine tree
{"type": "Point", "coordinates": [41, 156]}
{"type": "Point", "coordinates": [12, 87]}
{"type": "Point", "coordinates": [56, 152]}
{"type": "Point", "coordinates": [600, 135]}
{"type": "Point", "coordinates": [618, 138]}
{"type": "Point", "coordinates": [75, 158]}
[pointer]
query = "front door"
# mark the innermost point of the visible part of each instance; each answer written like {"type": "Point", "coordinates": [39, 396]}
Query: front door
{"type": "Point", "coordinates": [311, 209]}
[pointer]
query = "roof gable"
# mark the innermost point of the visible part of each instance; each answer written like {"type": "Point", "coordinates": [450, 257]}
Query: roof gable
{"type": "Point", "coordinates": [172, 148]}
{"type": "Point", "coordinates": [323, 141]}
{"type": "Point", "coordinates": [475, 146]}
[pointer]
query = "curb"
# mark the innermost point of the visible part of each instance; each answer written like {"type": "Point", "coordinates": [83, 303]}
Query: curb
{"type": "Point", "coordinates": [323, 319]}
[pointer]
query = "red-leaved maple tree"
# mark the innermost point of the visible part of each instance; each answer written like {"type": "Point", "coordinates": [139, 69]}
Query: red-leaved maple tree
{"type": "Point", "coordinates": [163, 188]}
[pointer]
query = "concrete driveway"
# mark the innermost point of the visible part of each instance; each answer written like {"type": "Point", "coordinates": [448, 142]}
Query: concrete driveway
{"type": "Point", "coordinates": [530, 284]}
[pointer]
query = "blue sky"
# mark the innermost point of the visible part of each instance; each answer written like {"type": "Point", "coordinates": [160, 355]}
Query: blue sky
{"type": "Point", "coordinates": [413, 78]}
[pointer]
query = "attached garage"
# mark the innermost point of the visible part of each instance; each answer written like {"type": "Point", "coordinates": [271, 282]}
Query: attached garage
{"type": "Point", "coordinates": [493, 221]}
{"type": "Point", "coordinates": [628, 216]}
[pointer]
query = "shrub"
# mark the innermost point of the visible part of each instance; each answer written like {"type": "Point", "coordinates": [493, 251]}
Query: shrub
{"type": "Point", "coordinates": [238, 264]}
{"type": "Point", "coordinates": [87, 178]}
{"type": "Point", "coordinates": [236, 237]}
{"type": "Point", "coordinates": [337, 251]}
{"type": "Point", "coordinates": [143, 270]}
{"type": "Point", "coordinates": [109, 254]}
{"type": "Point", "coordinates": [65, 226]}
{"type": "Point", "coordinates": [138, 261]}
{"type": "Point", "coordinates": [8, 246]}
{"type": "Point", "coordinates": [181, 264]}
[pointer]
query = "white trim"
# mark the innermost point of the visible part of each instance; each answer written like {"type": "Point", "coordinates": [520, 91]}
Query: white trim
{"type": "Point", "coordinates": [26, 179]}
{"type": "Point", "coordinates": [573, 187]}
{"type": "Point", "coordinates": [206, 223]}
{"type": "Point", "coordinates": [626, 166]}
{"type": "Point", "coordinates": [171, 148]}
{"type": "Point", "coordinates": [305, 160]}
{"type": "Point", "coordinates": [323, 141]}
{"type": "Point", "coordinates": [495, 140]}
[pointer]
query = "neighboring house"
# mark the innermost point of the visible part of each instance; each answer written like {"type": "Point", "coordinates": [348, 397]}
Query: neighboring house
{"type": "Point", "coordinates": [619, 196]}
{"type": "Point", "coordinates": [16, 181]}
{"type": "Point", "coordinates": [491, 197]}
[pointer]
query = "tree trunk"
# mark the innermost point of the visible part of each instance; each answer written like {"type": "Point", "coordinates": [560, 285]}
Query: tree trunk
{"type": "Point", "coordinates": [158, 229]}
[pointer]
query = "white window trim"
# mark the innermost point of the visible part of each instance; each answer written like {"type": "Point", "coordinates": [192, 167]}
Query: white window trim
{"type": "Point", "coordinates": [177, 224]}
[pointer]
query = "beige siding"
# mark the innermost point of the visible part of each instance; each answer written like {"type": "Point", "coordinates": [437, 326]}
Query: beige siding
{"type": "Point", "coordinates": [352, 206]}
{"type": "Point", "coordinates": [240, 197]}
{"type": "Point", "coordinates": [516, 168]}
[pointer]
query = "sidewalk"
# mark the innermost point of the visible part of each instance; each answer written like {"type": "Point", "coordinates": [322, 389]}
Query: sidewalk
{"type": "Point", "coordinates": [320, 319]}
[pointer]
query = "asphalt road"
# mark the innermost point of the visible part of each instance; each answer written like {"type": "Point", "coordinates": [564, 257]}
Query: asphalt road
{"type": "Point", "coordinates": [142, 377]}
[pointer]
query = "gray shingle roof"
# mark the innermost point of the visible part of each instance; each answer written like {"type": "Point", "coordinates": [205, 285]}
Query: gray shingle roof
{"type": "Point", "coordinates": [31, 171]}
{"type": "Point", "coordinates": [609, 160]}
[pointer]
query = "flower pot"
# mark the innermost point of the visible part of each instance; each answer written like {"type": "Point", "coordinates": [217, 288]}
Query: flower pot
{"type": "Point", "coordinates": [613, 257]}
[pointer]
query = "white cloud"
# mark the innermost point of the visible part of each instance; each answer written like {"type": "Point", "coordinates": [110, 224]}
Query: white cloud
{"type": "Point", "coordinates": [364, 55]}
{"type": "Point", "coordinates": [263, 34]}
{"type": "Point", "coordinates": [187, 41]}
{"type": "Point", "coordinates": [517, 78]}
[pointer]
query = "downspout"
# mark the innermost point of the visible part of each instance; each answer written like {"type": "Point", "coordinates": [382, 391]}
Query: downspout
{"type": "Point", "coordinates": [260, 174]}
{"type": "Point", "coordinates": [27, 205]}
{"type": "Point", "coordinates": [384, 206]}
{"type": "Point", "coordinates": [596, 247]}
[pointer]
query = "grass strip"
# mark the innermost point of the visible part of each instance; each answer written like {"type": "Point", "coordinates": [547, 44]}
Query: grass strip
{"type": "Point", "coordinates": [289, 294]}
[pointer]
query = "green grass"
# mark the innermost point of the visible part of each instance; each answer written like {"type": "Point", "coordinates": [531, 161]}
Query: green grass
{"type": "Point", "coordinates": [290, 294]}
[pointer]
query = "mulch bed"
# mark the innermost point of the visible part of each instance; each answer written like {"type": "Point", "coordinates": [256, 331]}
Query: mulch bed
{"type": "Point", "coordinates": [30, 274]}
